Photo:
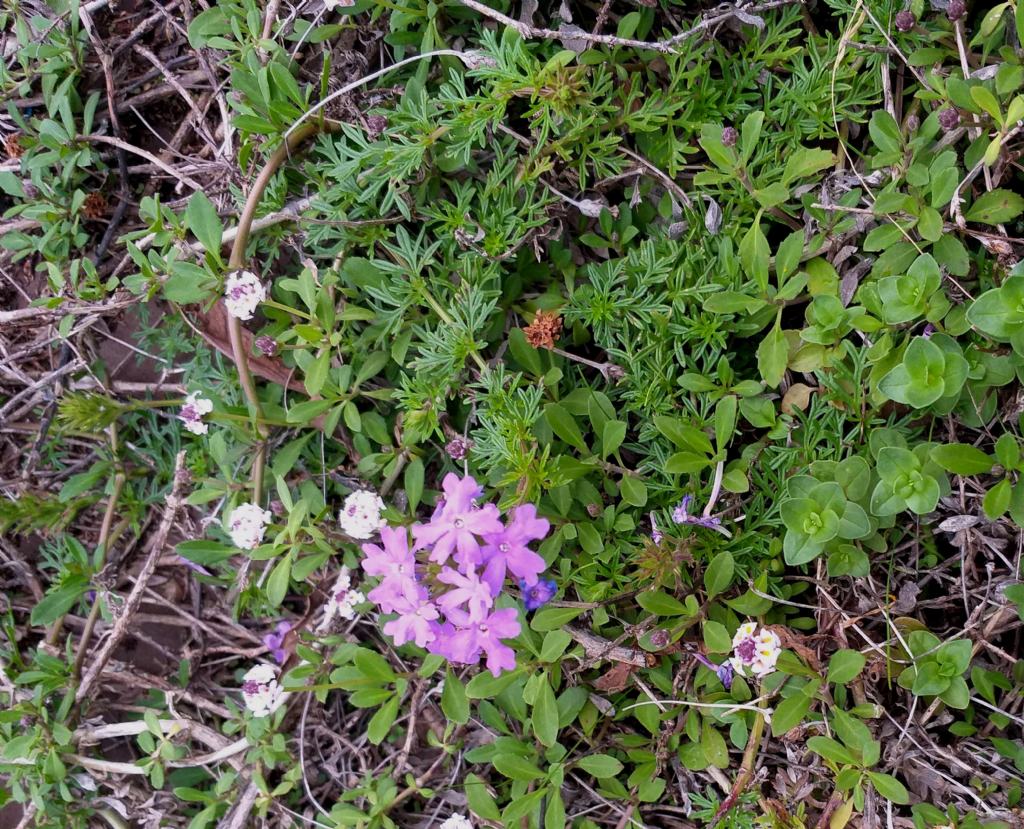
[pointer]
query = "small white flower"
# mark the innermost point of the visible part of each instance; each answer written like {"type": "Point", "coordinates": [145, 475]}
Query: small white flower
{"type": "Point", "coordinates": [360, 514]}
{"type": "Point", "coordinates": [755, 651]}
{"type": "Point", "coordinates": [331, 5]}
{"type": "Point", "coordinates": [261, 691]}
{"type": "Point", "coordinates": [457, 822]}
{"type": "Point", "coordinates": [343, 599]}
{"type": "Point", "coordinates": [247, 524]}
{"type": "Point", "coordinates": [192, 412]}
{"type": "Point", "coordinates": [243, 292]}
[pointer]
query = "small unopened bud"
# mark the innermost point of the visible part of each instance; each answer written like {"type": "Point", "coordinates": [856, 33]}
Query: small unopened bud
{"type": "Point", "coordinates": [593, 510]}
{"type": "Point", "coordinates": [277, 508]}
{"type": "Point", "coordinates": [457, 448]}
{"type": "Point", "coordinates": [659, 638]}
{"type": "Point", "coordinates": [913, 122]}
{"type": "Point", "coordinates": [905, 20]}
{"type": "Point", "coordinates": [267, 346]}
{"type": "Point", "coordinates": [949, 119]}
{"type": "Point", "coordinates": [376, 124]}
{"type": "Point", "coordinates": [730, 136]}
{"type": "Point", "coordinates": [956, 9]}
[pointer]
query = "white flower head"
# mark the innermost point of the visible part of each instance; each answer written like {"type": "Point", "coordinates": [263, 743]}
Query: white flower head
{"type": "Point", "coordinates": [243, 292]}
{"type": "Point", "coordinates": [192, 412]}
{"type": "Point", "coordinates": [261, 691]}
{"type": "Point", "coordinates": [344, 599]}
{"type": "Point", "coordinates": [247, 524]}
{"type": "Point", "coordinates": [360, 514]}
{"type": "Point", "coordinates": [755, 651]}
{"type": "Point", "coordinates": [457, 822]}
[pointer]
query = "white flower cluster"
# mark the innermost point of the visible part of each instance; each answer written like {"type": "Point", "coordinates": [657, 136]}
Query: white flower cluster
{"type": "Point", "coordinates": [360, 514]}
{"type": "Point", "coordinates": [192, 413]}
{"type": "Point", "coordinates": [343, 598]}
{"type": "Point", "coordinates": [457, 822]}
{"type": "Point", "coordinates": [247, 524]}
{"type": "Point", "coordinates": [261, 691]}
{"type": "Point", "coordinates": [243, 292]}
{"type": "Point", "coordinates": [755, 651]}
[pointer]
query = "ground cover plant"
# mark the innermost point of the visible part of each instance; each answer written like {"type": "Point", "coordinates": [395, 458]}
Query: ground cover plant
{"type": "Point", "coordinates": [440, 413]}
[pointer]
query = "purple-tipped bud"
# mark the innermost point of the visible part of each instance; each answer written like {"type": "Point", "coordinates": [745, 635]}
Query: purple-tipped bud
{"type": "Point", "coordinates": [949, 119]}
{"type": "Point", "coordinates": [905, 20]}
{"type": "Point", "coordinates": [376, 124]}
{"type": "Point", "coordinates": [457, 448]}
{"type": "Point", "coordinates": [277, 508]}
{"type": "Point", "coordinates": [956, 9]}
{"type": "Point", "coordinates": [267, 346]}
{"type": "Point", "coordinates": [730, 136]}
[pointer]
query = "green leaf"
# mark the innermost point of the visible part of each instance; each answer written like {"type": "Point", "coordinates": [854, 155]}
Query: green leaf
{"type": "Point", "coordinates": [773, 354]}
{"type": "Point", "coordinates": [661, 604]}
{"type": "Point", "coordinates": [844, 666]}
{"type": "Point", "coordinates": [997, 500]}
{"type": "Point", "coordinates": [564, 426]}
{"type": "Point", "coordinates": [454, 702]}
{"type": "Point", "coordinates": [58, 602]}
{"type": "Point", "coordinates": [205, 552]}
{"type": "Point", "coordinates": [479, 799]}
{"type": "Point", "coordinates": [381, 722]}
{"type": "Point", "coordinates": [187, 283]}
{"type": "Point", "coordinates": [633, 490]}
{"type": "Point", "coordinates": [718, 576]}
{"type": "Point", "coordinates": [612, 435]}
{"type": "Point", "coordinates": [755, 254]}
{"type": "Point", "coordinates": [600, 765]}
{"type": "Point", "coordinates": [202, 219]}
{"type": "Point", "coordinates": [307, 410]}
{"type": "Point", "coordinates": [552, 618]}
{"type": "Point", "coordinates": [996, 207]}
{"type": "Point", "coordinates": [1000, 311]}
{"type": "Point", "coordinates": [790, 713]}
{"type": "Point", "coordinates": [806, 162]}
{"type": "Point", "coordinates": [716, 637]}
{"type": "Point", "coordinates": [279, 580]}
{"type": "Point", "coordinates": [831, 750]}
{"type": "Point", "coordinates": [525, 354]}
{"type": "Point", "coordinates": [962, 459]}
{"type": "Point", "coordinates": [515, 767]}
{"type": "Point", "coordinates": [545, 714]}
{"type": "Point", "coordinates": [889, 787]}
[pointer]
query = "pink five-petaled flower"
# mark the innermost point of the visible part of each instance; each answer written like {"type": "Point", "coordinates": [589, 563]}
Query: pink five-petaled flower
{"type": "Point", "coordinates": [457, 522]}
{"type": "Point", "coordinates": [470, 637]}
{"type": "Point", "coordinates": [415, 614]}
{"type": "Point", "coordinates": [508, 550]}
{"type": "Point", "coordinates": [393, 561]}
{"type": "Point", "coordinates": [467, 590]}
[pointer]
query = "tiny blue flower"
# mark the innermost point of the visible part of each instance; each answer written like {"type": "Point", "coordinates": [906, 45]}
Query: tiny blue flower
{"type": "Point", "coordinates": [538, 594]}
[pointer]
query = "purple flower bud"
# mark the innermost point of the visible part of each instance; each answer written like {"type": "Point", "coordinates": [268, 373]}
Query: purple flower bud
{"type": "Point", "coordinates": [730, 136]}
{"type": "Point", "coordinates": [277, 508]}
{"type": "Point", "coordinates": [905, 20]}
{"type": "Point", "coordinates": [949, 118]}
{"type": "Point", "coordinates": [457, 448]}
{"type": "Point", "coordinates": [538, 594]}
{"type": "Point", "coordinates": [593, 510]}
{"type": "Point", "coordinates": [275, 642]}
{"type": "Point", "coordinates": [376, 124]}
{"type": "Point", "coordinates": [956, 9]}
{"type": "Point", "coordinates": [659, 638]}
{"type": "Point", "coordinates": [267, 346]}
{"type": "Point", "coordinates": [725, 674]}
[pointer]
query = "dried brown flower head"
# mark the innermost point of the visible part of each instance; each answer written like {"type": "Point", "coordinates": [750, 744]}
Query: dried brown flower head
{"type": "Point", "coordinates": [94, 206]}
{"type": "Point", "coordinates": [544, 330]}
{"type": "Point", "coordinates": [13, 146]}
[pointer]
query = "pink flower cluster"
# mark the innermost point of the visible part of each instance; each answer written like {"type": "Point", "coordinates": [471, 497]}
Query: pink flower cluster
{"type": "Point", "coordinates": [444, 585]}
